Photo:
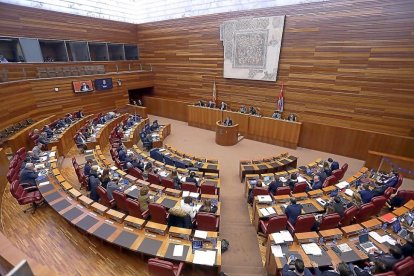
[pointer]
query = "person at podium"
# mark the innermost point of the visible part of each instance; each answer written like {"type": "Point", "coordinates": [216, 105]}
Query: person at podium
{"type": "Point", "coordinates": [228, 122]}
{"type": "Point", "coordinates": [223, 106]}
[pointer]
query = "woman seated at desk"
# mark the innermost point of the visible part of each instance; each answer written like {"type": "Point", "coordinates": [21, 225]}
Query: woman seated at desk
{"type": "Point", "coordinates": [207, 207]}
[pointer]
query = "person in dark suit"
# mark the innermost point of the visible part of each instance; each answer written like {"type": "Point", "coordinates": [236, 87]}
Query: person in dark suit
{"type": "Point", "coordinates": [87, 168]}
{"type": "Point", "coordinates": [191, 178]}
{"type": "Point", "coordinates": [228, 122]}
{"type": "Point", "coordinates": [274, 185]}
{"type": "Point", "coordinates": [293, 181]}
{"type": "Point", "coordinates": [154, 126]}
{"type": "Point", "coordinates": [277, 115]}
{"type": "Point", "coordinates": [408, 248]}
{"type": "Point", "coordinates": [299, 269]}
{"type": "Point", "coordinates": [211, 104]}
{"type": "Point", "coordinates": [316, 183]}
{"type": "Point", "coordinates": [176, 180]}
{"type": "Point", "coordinates": [393, 256]}
{"type": "Point", "coordinates": [327, 169]}
{"type": "Point", "coordinates": [342, 269]}
{"type": "Point", "coordinates": [28, 174]}
{"type": "Point", "coordinates": [81, 141]}
{"type": "Point", "coordinates": [60, 123]}
{"type": "Point", "coordinates": [392, 180]}
{"type": "Point", "coordinates": [130, 122]}
{"type": "Point", "coordinates": [334, 165]}
{"type": "Point", "coordinates": [243, 109]}
{"type": "Point", "coordinates": [223, 106]}
{"type": "Point", "coordinates": [80, 114]}
{"type": "Point", "coordinates": [112, 186]}
{"type": "Point", "coordinates": [207, 207]}
{"type": "Point", "coordinates": [322, 175]}
{"type": "Point", "coordinates": [48, 131]}
{"type": "Point", "coordinates": [253, 111]}
{"type": "Point", "coordinates": [122, 154]}
{"type": "Point", "coordinates": [105, 178]}
{"type": "Point", "coordinates": [366, 193]}
{"type": "Point", "coordinates": [94, 182]}
{"type": "Point", "coordinates": [84, 87]}
{"type": "Point", "coordinates": [292, 118]}
{"type": "Point", "coordinates": [338, 206]}
{"type": "Point", "coordinates": [68, 119]}
{"type": "Point", "coordinates": [43, 139]}
{"type": "Point", "coordinates": [293, 211]}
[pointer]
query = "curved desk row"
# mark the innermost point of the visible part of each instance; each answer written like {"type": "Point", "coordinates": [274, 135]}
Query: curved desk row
{"type": "Point", "coordinates": [163, 132]}
{"type": "Point", "coordinates": [133, 137]}
{"type": "Point", "coordinates": [118, 229]}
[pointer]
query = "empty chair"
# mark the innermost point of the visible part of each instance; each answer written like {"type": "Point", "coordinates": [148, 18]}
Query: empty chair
{"type": "Point", "coordinates": [300, 188]}
{"type": "Point", "coordinates": [158, 213]}
{"type": "Point", "coordinates": [283, 191]}
{"type": "Point", "coordinates": [207, 222]}
{"type": "Point", "coordinates": [103, 197]}
{"type": "Point", "coordinates": [379, 203]}
{"type": "Point", "coordinates": [365, 212]}
{"type": "Point", "coordinates": [120, 201]}
{"type": "Point", "coordinates": [338, 174]}
{"type": "Point", "coordinates": [208, 189]}
{"type": "Point", "coordinates": [167, 183]}
{"type": "Point", "coordinates": [25, 196]}
{"type": "Point", "coordinates": [135, 172]}
{"type": "Point", "coordinates": [406, 195]}
{"type": "Point", "coordinates": [153, 178]}
{"type": "Point", "coordinates": [344, 168]}
{"type": "Point", "coordinates": [329, 221]}
{"type": "Point", "coordinates": [273, 224]}
{"type": "Point", "coordinates": [157, 267]}
{"type": "Point", "coordinates": [349, 215]}
{"type": "Point", "coordinates": [329, 181]}
{"type": "Point", "coordinates": [304, 223]}
{"type": "Point", "coordinates": [134, 209]}
{"type": "Point", "coordinates": [404, 267]}
{"type": "Point", "coordinates": [190, 187]}
{"type": "Point", "coordinates": [260, 191]}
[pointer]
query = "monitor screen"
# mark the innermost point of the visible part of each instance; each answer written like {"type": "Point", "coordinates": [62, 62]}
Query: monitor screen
{"type": "Point", "coordinates": [363, 238]}
{"type": "Point", "coordinates": [103, 84]}
{"type": "Point", "coordinates": [409, 219]}
{"type": "Point", "coordinates": [197, 245]}
{"type": "Point", "coordinates": [82, 86]}
{"type": "Point", "coordinates": [334, 193]}
{"type": "Point", "coordinates": [396, 226]}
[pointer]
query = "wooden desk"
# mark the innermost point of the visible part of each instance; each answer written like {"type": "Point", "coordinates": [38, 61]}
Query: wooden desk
{"type": "Point", "coordinates": [136, 109]}
{"type": "Point", "coordinates": [133, 137]}
{"type": "Point", "coordinates": [238, 118]}
{"type": "Point", "coordinates": [226, 135]}
{"type": "Point", "coordinates": [102, 137]}
{"type": "Point", "coordinates": [21, 138]}
{"type": "Point", "coordinates": [203, 117]}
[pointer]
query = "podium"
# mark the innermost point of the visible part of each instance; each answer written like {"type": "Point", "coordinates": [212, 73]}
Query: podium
{"type": "Point", "coordinates": [226, 135]}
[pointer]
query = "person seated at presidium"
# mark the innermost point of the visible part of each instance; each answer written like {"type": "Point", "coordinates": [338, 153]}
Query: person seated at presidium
{"type": "Point", "coordinates": [211, 104]}
{"type": "Point", "coordinates": [293, 211]}
{"type": "Point", "coordinates": [292, 117]}
{"type": "Point", "coordinates": [228, 122]}
{"type": "Point", "coordinates": [223, 106]}
{"type": "Point", "coordinates": [253, 111]}
{"type": "Point", "coordinates": [277, 115]}
{"type": "Point", "coordinates": [243, 109]}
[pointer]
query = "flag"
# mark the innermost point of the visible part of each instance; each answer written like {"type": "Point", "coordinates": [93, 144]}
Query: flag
{"type": "Point", "coordinates": [214, 91]}
{"type": "Point", "coordinates": [280, 100]}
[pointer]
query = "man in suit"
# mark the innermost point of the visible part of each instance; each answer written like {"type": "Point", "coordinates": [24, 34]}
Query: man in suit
{"type": "Point", "coordinates": [276, 115]}
{"type": "Point", "coordinates": [393, 256]}
{"type": "Point", "coordinates": [338, 206]}
{"type": "Point", "coordinates": [130, 122]}
{"type": "Point", "coordinates": [122, 154]}
{"type": "Point", "coordinates": [366, 193]}
{"type": "Point", "coordinates": [334, 165]}
{"type": "Point", "coordinates": [94, 182]}
{"type": "Point", "coordinates": [299, 268]}
{"type": "Point", "coordinates": [407, 249]}
{"type": "Point", "coordinates": [293, 211]}
{"type": "Point", "coordinates": [322, 175]}
{"type": "Point", "coordinates": [243, 109]}
{"type": "Point", "coordinates": [228, 122]}
{"type": "Point", "coordinates": [223, 106]}
{"type": "Point", "coordinates": [48, 131]}
{"type": "Point", "coordinates": [84, 87]}
{"type": "Point", "coordinates": [28, 174]}
{"type": "Point", "coordinates": [68, 119]}
{"type": "Point", "coordinates": [154, 126]}
{"type": "Point", "coordinates": [37, 150]}
{"type": "Point", "coordinates": [253, 111]}
{"type": "Point", "coordinates": [112, 186]}
{"type": "Point", "coordinates": [80, 114]}
{"type": "Point", "coordinates": [191, 178]}
{"type": "Point", "coordinates": [87, 168]}
{"type": "Point", "coordinates": [274, 185]}
{"type": "Point", "coordinates": [211, 104]}
{"type": "Point", "coordinates": [342, 269]}
{"type": "Point", "coordinates": [316, 183]}
{"type": "Point", "coordinates": [81, 141]}
{"type": "Point", "coordinates": [392, 180]}
{"type": "Point", "coordinates": [43, 139]}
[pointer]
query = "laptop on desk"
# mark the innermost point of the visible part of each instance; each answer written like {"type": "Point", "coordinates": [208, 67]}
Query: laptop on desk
{"type": "Point", "coordinates": [399, 230]}
{"type": "Point", "coordinates": [365, 244]}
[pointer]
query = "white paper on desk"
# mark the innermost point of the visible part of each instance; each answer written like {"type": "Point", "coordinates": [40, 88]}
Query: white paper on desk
{"type": "Point", "coordinates": [377, 237]}
{"type": "Point", "coordinates": [200, 234]}
{"type": "Point", "coordinates": [264, 198]}
{"type": "Point", "coordinates": [301, 179]}
{"type": "Point", "coordinates": [52, 154]}
{"type": "Point", "coordinates": [344, 247]}
{"type": "Point", "coordinates": [44, 183]}
{"type": "Point", "coordinates": [207, 257]}
{"type": "Point", "coordinates": [40, 166]}
{"type": "Point", "coordinates": [311, 249]}
{"type": "Point", "coordinates": [349, 192]}
{"type": "Point", "coordinates": [286, 235]}
{"type": "Point", "coordinates": [277, 251]}
{"type": "Point", "coordinates": [162, 149]}
{"type": "Point", "coordinates": [186, 193]}
{"type": "Point", "coordinates": [194, 195]}
{"type": "Point", "coordinates": [42, 159]}
{"type": "Point", "coordinates": [271, 210]}
{"type": "Point", "coordinates": [278, 238]}
{"type": "Point", "coordinates": [182, 178]}
{"type": "Point", "coordinates": [342, 184]}
{"type": "Point", "coordinates": [163, 173]}
{"type": "Point", "coordinates": [178, 250]}
{"type": "Point", "coordinates": [43, 153]}
{"type": "Point", "coordinates": [389, 239]}
{"type": "Point", "coordinates": [264, 212]}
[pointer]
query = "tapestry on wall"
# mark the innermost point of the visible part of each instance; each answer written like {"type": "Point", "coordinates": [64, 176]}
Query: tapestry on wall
{"type": "Point", "coordinates": [252, 47]}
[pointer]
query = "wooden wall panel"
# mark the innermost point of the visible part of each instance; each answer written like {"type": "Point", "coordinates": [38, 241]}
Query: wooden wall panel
{"type": "Point", "coordinates": [36, 98]}
{"type": "Point", "coordinates": [28, 22]}
{"type": "Point", "coordinates": [344, 63]}
{"type": "Point", "coordinates": [174, 109]}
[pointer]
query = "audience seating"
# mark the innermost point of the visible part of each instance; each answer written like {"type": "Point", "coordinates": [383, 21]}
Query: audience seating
{"type": "Point", "coordinates": [406, 195]}
{"type": "Point", "coordinates": [134, 209]}
{"type": "Point", "coordinates": [388, 192]}
{"type": "Point", "coordinates": [365, 212]}
{"type": "Point", "coordinates": [304, 223]}
{"type": "Point", "coordinates": [379, 202]}
{"type": "Point", "coordinates": [300, 188]}
{"type": "Point", "coordinates": [190, 187]}
{"type": "Point", "coordinates": [25, 196]}
{"type": "Point", "coordinates": [158, 267]}
{"type": "Point", "coordinates": [260, 191]}
{"type": "Point", "coordinates": [329, 221]}
{"type": "Point", "coordinates": [167, 183]}
{"type": "Point", "coordinates": [329, 181]}
{"type": "Point", "coordinates": [338, 174]}
{"type": "Point", "coordinates": [158, 213]}
{"type": "Point", "coordinates": [273, 224]}
{"type": "Point", "coordinates": [120, 201]}
{"type": "Point", "coordinates": [349, 215]}
{"type": "Point", "coordinates": [283, 191]}
{"type": "Point", "coordinates": [207, 222]}
{"type": "Point", "coordinates": [404, 267]}
{"type": "Point", "coordinates": [103, 197]}
{"type": "Point", "coordinates": [135, 172]}
{"type": "Point", "coordinates": [344, 168]}
{"type": "Point", "coordinates": [208, 189]}
{"type": "Point", "coordinates": [153, 178]}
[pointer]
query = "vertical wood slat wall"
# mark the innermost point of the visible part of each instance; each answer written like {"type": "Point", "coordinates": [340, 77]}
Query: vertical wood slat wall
{"type": "Point", "coordinates": [347, 63]}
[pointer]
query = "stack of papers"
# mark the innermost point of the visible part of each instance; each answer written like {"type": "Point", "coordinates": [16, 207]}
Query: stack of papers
{"type": "Point", "coordinates": [44, 183]}
{"type": "Point", "coordinates": [349, 192]}
{"type": "Point", "coordinates": [114, 168]}
{"type": "Point", "coordinates": [200, 234]}
{"type": "Point", "coordinates": [39, 166]}
{"type": "Point", "coordinates": [382, 239]}
{"type": "Point", "coordinates": [282, 237]}
{"type": "Point", "coordinates": [343, 184]}
{"type": "Point", "coordinates": [264, 198]}
{"type": "Point", "coordinates": [52, 154]}
{"type": "Point", "coordinates": [202, 257]}
{"type": "Point", "coordinates": [312, 249]}
{"type": "Point", "coordinates": [344, 247]}
{"type": "Point", "coordinates": [321, 201]}
{"type": "Point", "coordinates": [277, 251]}
{"type": "Point", "coordinates": [267, 211]}
{"type": "Point", "coordinates": [42, 159]}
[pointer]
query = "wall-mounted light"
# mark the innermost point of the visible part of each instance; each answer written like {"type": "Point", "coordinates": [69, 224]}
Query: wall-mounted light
{"type": "Point", "coordinates": [56, 89]}
{"type": "Point", "coordinates": [119, 81]}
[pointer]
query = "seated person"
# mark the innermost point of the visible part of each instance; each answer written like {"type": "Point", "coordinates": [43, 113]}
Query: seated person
{"type": "Point", "coordinates": [277, 115]}
{"type": "Point", "coordinates": [356, 200]}
{"type": "Point", "coordinates": [200, 103]}
{"type": "Point", "coordinates": [293, 211]}
{"type": "Point", "coordinates": [392, 179]}
{"type": "Point", "coordinates": [207, 207]}
{"type": "Point", "coordinates": [211, 104]}
{"type": "Point", "coordinates": [274, 185]}
{"type": "Point", "coordinates": [144, 198]}
{"type": "Point", "coordinates": [338, 206]}
{"type": "Point", "coordinates": [243, 109]}
{"type": "Point", "coordinates": [316, 183]}
{"type": "Point", "coordinates": [327, 169]}
{"type": "Point", "coordinates": [407, 249]}
{"type": "Point", "coordinates": [342, 269]}
{"type": "Point", "coordinates": [81, 141]}
{"type": "Point", "coordinates": [122, 154]}
{"type": "Point", "coordinates": [334, 164]}
{"type": "Point", "coordinates": [104, 178]}
{"type": "Point", "coordinates": [28, 174]}
{"type": "Point", "coordinates": [250, 198]}
{"type": "Point", "coordinates": [191, 178]}
{"type": "Point", "coordinates": [376, 267]}
{"type": "Point", "coordinates": [136, 117]}
{"type": "Point", "coordinates": [29, 159]}
{"type": "Point", "coordinates": [187, 208]}
{"type": "Point", "coordinates": [292, 118]}
{"type": "Point", "coordinates": [68, 119]}
{"type": "Point", "coordinates": [102, 120]}
{"type": "Point", "coordinates": [154, 126]}
{"type": "Point", "coordinates": [87, 168]}
{"type": "Point", "coordinates": [253, 111]}
{"type": "Point", "coordinates": [60, 124]}
{"type": "Point", "coordinates": [37, 151]}
{"type": "Point", "coordinates": [228, 122]}
{"type": "Point", "coordinates": [293, 181]}
{"type": "Point", "coordinates": [112, 186]}
{"type": "Point", "coordinates": [94, 182]}
{"type": "Point", "coordinates": [393, 256]}
{"type": "Point", "coordinates": [299, 268]}
{"type": "Point", "coordinates": [147, 170]}
{"type": "Point", "coordinates": [176, 180]}
{"type": "Point", "coordinates": [43, 139]}
{"type": "Point", "coordinates": [366, 193]}
{"type": "Point", "coordinates": [130, 122]}
{"type": "Point", "coordinates": [80, 114]}
{"type": "Point", "coordinates": [48, 131]}
{"type": "Point", "coordinates": [179, 218]}
{"type": "Point", "coordinates": [322, 175]}
{"type": "Point", "coordinates": [223, 106]}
